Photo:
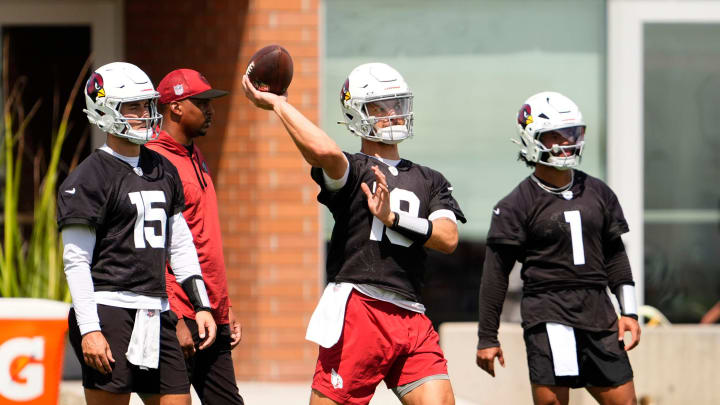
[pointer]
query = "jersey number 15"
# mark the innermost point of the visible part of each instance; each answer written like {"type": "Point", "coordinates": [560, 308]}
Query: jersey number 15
{"type": "Point", "coordinates": [145, 212]}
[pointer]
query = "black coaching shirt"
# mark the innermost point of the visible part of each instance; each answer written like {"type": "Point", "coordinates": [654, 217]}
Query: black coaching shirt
{"type": "Point", "coordinates": [560, 240]}
{"type": "Point", "coordinates": [362, 250]}
{"type": "Point", "coordinates": [129, 210]}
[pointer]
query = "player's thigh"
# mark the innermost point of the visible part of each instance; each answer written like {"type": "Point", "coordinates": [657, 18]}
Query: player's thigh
{"type": "Point", "coordinates": [116, 326]}
{"type": "Point", "coordinates": [550, 395]}
{"type": "Point", "coordinates": [350, 370]}
{"type": "Point", "coordinates": [349, 373]}
{"type": "Point", "coordinates": [605, 362]}
{"type": "Point", "coordinates": [318, 398]}
{"type": "Point", "coordinates": [99, 397]}
{"type": "Point", "coordinates": [422, 361]}
{"type": "Point", "coordinates": [432, 392]}
{"type": "Point", "coordinates": [167, 399]}
{"type": "Point", "coordinates": [620, 395]}
{"type": "Point", "coordinates": [541, 363]}
{"type": "Point", "coordinates": [173, 373]}
{"type": "Point", "coordinates": [171, 376]}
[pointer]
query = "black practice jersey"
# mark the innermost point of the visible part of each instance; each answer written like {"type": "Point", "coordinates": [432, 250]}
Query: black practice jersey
{"type": "Point", "coordinates": [362, 250]}
{"type": "Point", "coordinates": [561, 240]}
{"type": "Point", "coordinates": [129, 210]}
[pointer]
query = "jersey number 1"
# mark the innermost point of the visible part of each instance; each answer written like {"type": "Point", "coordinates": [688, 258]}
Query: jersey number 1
{"type": "Point", "coordinates": [573, 218]}
{"type": "Point", "coordinates": [396, 196]}
{"type": "Point", "coordinates": [145, 212]}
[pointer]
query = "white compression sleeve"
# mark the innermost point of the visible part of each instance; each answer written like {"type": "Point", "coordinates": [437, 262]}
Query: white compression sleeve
{"type": "Point", "coordinates": [442, 214]}
{"type": "Point", "coordinates": [78, 246]}
{"type": "Point", "coordinates": [625, 295]}
{"type": "Point", "coordinates": [336, 184]}
{"type": "Point", "coordinates": [183, 256]}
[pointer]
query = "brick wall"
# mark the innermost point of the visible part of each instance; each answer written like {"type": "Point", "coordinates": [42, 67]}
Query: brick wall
{"type": "Point", "coordinates": [269, 215]}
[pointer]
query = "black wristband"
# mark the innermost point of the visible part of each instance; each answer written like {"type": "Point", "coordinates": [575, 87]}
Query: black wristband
{"type": "Point", "coordinates": [633, 316]}
{"type": "Point", "coordinates": [414, 228]}
{"type": "Point", "coordinates": [194, 288]}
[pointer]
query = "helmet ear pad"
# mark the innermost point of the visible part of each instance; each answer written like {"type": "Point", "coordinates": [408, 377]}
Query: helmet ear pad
{"type": "Point", "coordinates": [106, 122]}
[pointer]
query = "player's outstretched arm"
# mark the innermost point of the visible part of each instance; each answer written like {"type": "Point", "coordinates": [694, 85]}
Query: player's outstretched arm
{"type": "Point", "coordinates": [318, 149]}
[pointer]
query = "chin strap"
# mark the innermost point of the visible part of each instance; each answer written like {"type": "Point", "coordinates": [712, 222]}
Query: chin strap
{"type": "Point", "coordinates": [417, 229]}
{"type": "Point", "coordinates": [194, 288]}
{"type": "Point", "coordinates": [625, 294]}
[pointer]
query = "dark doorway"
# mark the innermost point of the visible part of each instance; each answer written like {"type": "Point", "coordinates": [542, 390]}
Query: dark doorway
{"type": "Point", "coordinates": [48, 60]}
{"type": "Point", "coordinates": [452, 283]}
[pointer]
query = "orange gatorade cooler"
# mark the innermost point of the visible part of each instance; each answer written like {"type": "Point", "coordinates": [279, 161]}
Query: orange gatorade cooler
{"type": "Point", "coordinates": [32, 340]}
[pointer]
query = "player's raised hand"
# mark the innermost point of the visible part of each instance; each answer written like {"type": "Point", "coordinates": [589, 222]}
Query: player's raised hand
{"type": "Point", "coordinates": [379, 199]}
{"type": "Point", "coordinates": [206, 329]}
{"type": "Point", "coordinates": [96, 352]}
{"type": "Point", "coordinates": [486, 359]}
{"type": "Point", "coordinates": [628, 324]}
{"type": "Point", "coordinates": [261, 99]}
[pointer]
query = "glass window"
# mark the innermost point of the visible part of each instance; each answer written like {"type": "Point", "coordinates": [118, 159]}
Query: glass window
{"type": "Point", "coordinates": [471, 64]}
{"type": "Point", "coordinates": [682, 145]}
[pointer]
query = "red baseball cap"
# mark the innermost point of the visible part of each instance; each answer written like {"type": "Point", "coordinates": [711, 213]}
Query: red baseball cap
{"type": "Point", "coordinates": [186, 83]}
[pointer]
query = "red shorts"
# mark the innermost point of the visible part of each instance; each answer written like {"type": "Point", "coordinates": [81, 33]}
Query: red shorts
{"type": "Point", "coordinates": [380, 341]}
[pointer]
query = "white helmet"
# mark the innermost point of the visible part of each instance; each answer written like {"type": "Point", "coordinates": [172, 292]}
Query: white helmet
{"type": "Point", "coordinates": [112, 85]}
{"type": "Point", "coordinates": [551, 112]}
{"type": "Point", "coordinates": [382, 88]}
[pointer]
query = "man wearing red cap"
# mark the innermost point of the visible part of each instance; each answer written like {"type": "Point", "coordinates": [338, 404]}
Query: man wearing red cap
{"type": "Point", "coordinates": [185, 97]}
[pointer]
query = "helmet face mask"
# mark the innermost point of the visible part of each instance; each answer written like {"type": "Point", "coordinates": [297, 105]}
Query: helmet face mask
{"type": "Point", "coordinates": [377, 104]}
{"type": "Point", "coordinates": [564, 148]}
{"type": "Point", "coordinates": [551, 131]}
{"type": "Point", "coordinates": [389, 118]}
{"type": "Point", "coordinates": [111, 87]}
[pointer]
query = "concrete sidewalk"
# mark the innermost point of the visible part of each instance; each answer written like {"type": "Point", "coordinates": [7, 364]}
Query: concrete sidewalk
{"type": "Point", "coordinates": [71, 393]}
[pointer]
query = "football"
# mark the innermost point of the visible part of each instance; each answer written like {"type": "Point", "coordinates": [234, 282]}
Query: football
{"type": "Point", "coordinates": [271, 69]}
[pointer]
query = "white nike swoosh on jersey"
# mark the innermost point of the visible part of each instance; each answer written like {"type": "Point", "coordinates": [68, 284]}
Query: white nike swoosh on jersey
{"type": "Point", "coordinates": [71, 191]}
{"type": "Point", "coordinates": [497, 211]}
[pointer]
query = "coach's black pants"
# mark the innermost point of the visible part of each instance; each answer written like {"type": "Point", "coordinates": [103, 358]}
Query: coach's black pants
{"type": "Point", "coordinates": [211, 370]}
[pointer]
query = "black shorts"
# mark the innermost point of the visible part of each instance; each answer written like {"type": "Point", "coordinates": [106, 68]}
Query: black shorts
{"type": "Point", "coordinates": [211, 370]}
{"type": "Point", "coordinates": [116, 325]}
{"type": "Point", "coordinates": [602, 360]}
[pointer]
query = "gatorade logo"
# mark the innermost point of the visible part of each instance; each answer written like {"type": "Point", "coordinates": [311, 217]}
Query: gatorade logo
{"type": "Point", "coordinates": [22, 373]}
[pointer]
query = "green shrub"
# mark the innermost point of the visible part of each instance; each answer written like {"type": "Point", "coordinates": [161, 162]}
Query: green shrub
{"type": "Point", "coordinates": [33, 267]}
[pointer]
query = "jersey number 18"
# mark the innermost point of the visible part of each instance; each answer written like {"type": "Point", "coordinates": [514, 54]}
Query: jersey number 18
{"type": "Point", "coordinates": [413, 208]}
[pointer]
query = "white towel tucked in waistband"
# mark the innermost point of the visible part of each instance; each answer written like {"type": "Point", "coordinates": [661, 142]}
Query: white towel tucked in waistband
{"type": "Point", "coordinates": [326, 322]}
{"type": "Point", "coordinates": [563, 347]}
{"type": "Point", "coordinates": [144, 347]}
